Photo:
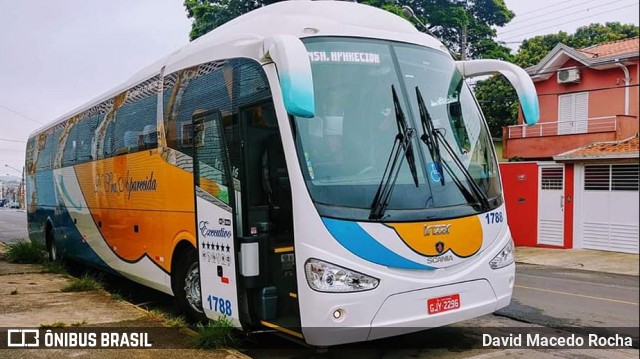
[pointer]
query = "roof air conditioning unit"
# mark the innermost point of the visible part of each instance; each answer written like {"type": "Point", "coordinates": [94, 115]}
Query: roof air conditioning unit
{"type": "Point", "coordinates": [570, 75]}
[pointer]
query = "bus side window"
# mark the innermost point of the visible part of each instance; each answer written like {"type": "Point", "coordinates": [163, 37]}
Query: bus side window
{"type": "Point", "coordinates": [149, 137]}
{"type": "Point", "coordinates": [107, 149]}
{"type": "Point", "coordinates": [85, 133]}
{"type": "Point", "coordinates": [69, 154]}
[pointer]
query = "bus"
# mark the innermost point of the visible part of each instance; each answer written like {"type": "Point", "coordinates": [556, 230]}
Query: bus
{"type": "Point", "coordinates": [315, 168]}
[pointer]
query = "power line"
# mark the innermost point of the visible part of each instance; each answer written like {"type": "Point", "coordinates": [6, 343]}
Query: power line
{"type": "Point", "coordinates": [555, 18]}
{"type": "Point", "coordinates": [22, 115]}
{"type": "Point", "coordinates": [545, 7]}
{"type": "Point", "coordinates": [568, 22]}
{"type": "Point", "coordinates": [519, 17]}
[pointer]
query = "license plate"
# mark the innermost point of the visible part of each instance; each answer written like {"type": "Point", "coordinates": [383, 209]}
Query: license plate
{"type": "Point", "coordinates": [443, 304]}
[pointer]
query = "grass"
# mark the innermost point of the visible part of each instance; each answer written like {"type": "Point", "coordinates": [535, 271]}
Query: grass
{"type": "Point", "coordinates": [175, 322]}
{"type": "Point", "coordinates": [53, 325]}
{"type": "Point", "coordinates": [56, 267]}
{"type": "Point", "coordinates": [215, 334]}
{"type": "Point", "coordinates": [155, 314]}
{"type": "Point", "coordinates": [25, 252]}
{"type": "Point", "coordinates": [116, 296]}
{"type": "Point", "coordinates": [85, 283]}
{"type": "Point", "coordinates": [168, 319]}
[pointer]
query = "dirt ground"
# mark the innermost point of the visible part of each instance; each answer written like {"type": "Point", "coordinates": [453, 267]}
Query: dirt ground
{"type": "Point", "coordinates": [30, 298]}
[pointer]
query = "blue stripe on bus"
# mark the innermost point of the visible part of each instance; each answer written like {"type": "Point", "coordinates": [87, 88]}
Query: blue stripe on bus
{"type": "Point", "coordinates": [357, 241]}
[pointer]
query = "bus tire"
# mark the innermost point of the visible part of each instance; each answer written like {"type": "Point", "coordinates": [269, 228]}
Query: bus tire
{"type": "Point", "coordinates": [52, 248]}
{"type": "Point", "coordinates": [187, 292]}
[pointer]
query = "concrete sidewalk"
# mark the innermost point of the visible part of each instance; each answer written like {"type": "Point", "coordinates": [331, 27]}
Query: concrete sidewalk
{"type": "Point", "coordinates": [584, 259]}
{"type": "Point", "coordinates": [31, 298]}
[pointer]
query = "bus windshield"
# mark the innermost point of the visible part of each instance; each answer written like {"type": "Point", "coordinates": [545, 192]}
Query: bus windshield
{"type": "Point", "coordinates": [345, 149]}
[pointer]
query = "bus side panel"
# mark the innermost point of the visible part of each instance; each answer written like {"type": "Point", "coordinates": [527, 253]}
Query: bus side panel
{"type": "Point", "coordinates": [136, 207]}
{"type": "Point", "coordinates": [69, 238]}
{"type": "Point", "coordinates": [41, 204]}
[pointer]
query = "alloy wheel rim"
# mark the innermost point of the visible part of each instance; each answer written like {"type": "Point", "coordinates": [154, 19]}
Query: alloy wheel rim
{"type": "Point", "coordinates": [192, 288]}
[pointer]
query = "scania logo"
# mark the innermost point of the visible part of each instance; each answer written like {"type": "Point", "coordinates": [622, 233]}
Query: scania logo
{"type": "Point", "coordinates": [439, 247]}
{"type": "Point", "coordinates": [437, 229]}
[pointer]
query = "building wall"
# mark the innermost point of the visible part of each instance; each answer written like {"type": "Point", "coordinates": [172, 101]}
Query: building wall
{"type": "Point", "coordinates": [549, 146]}
{"type": "Point", "coordinates": [605, 87]}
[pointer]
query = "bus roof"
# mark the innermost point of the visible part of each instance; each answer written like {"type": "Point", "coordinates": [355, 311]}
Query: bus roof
{"type": "Point", "coordinates": [244, 35]}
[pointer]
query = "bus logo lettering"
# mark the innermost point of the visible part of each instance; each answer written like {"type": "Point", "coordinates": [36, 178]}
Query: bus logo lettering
{"type": "Point", "coordinates": [208, 232]}
{"type": "Point", "coordinates": [437, 230]}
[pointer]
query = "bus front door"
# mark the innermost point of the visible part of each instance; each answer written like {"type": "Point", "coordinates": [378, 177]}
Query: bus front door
{"type": "Point", "coordinates": [214, 197]}
{"type": "Point", "coordinates": [268, 221]}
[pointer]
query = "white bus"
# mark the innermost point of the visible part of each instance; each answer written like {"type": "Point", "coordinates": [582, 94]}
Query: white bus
{"type": "Point", "coordinates": [319, 168]}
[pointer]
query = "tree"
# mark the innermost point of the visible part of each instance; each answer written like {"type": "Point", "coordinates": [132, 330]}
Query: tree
{"type": "Point", "coordinates": [533, 50]}
{"type": "Point", "coordinates": [499, 103]}
{"type": "Point", "coordinates": [209, 14]}
{"type": "Point", "coordinates": [457, 21]}
{"type": "Point", "coordinates": [447, 17]}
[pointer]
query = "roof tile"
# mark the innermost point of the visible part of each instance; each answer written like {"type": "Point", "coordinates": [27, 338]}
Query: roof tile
{"type": "Point", "coordinates": [624, 46]}
{"type": "Point", "coordinates": [628, 146]}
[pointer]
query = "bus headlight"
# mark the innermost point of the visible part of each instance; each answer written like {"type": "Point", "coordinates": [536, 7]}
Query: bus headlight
{"type": "Point", "coordinates": [505, 257]}
{"type": "Point", "coordinates": [327, 277]}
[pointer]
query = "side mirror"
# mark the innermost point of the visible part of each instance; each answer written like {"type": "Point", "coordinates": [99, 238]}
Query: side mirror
{"type": "Point", "coordinates": [518, 78]}
{"type": "Point", "coordinates": [294, 72]}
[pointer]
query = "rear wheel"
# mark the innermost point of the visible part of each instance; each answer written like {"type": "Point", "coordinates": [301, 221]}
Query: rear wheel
{"type": "Point", "coordinates": [52, 248]}
{"type": "Point", "coordinates": [187, 291]}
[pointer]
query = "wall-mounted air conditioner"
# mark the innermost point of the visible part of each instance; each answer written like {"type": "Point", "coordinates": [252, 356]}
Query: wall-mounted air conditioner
{"type": "Point", "coordinates": [569, 75]}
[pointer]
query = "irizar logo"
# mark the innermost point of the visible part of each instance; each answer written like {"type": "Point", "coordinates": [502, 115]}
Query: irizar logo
{"type": "Point", "coordinates": [437, 229]}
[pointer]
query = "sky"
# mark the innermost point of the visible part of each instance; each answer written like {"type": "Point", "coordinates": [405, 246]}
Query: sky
{"type": "Point", "coordinates": [56, 55]}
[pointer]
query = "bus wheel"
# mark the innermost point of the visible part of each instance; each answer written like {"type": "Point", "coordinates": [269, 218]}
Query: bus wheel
{"type": "Point", "coordinates": [52, 248]}
{"type": "Point", "coordinates": [188, 295]}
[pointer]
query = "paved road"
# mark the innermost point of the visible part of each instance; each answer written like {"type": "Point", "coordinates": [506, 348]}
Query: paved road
{"type": "Point", "coordinates": [13, 225]}
{"type": "Point", "coordinates": [563, 297]}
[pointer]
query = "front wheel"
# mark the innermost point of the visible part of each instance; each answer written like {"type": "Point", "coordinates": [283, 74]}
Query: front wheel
{"type": "Point", "coordinates": [187, 291]}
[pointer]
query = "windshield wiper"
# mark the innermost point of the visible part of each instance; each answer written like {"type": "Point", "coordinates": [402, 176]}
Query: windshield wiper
{"type": "Point", "coordinates": [401, 144]}
{"type": "Point", "coordinates": [431, 137]}
{"type": "Point", "coordinates": [428, 135]}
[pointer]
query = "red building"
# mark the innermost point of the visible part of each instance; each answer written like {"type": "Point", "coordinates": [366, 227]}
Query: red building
{"type": "Point", "coordinates": [580, 188]}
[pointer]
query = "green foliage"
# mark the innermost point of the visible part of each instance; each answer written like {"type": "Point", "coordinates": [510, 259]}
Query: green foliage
{"type": "Point", "coordinates": [209, 14]}
{"type": "Point", "coordinates": [449, 18]}
{"type": "Point", "coordinates": [499, 104]}
{"type": "Point", "coordinates": [215, 334]}
{"type": "Point", "coordinates": [534, 49]}
{"type": "Point", "coordinates": [24, 251]}
{"type": "Point", "coordinates": [85, 283]}
{"type": "Point", "coordinates": [57, 324]}
{"type": "Point", "coordinates": [54, 267]}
